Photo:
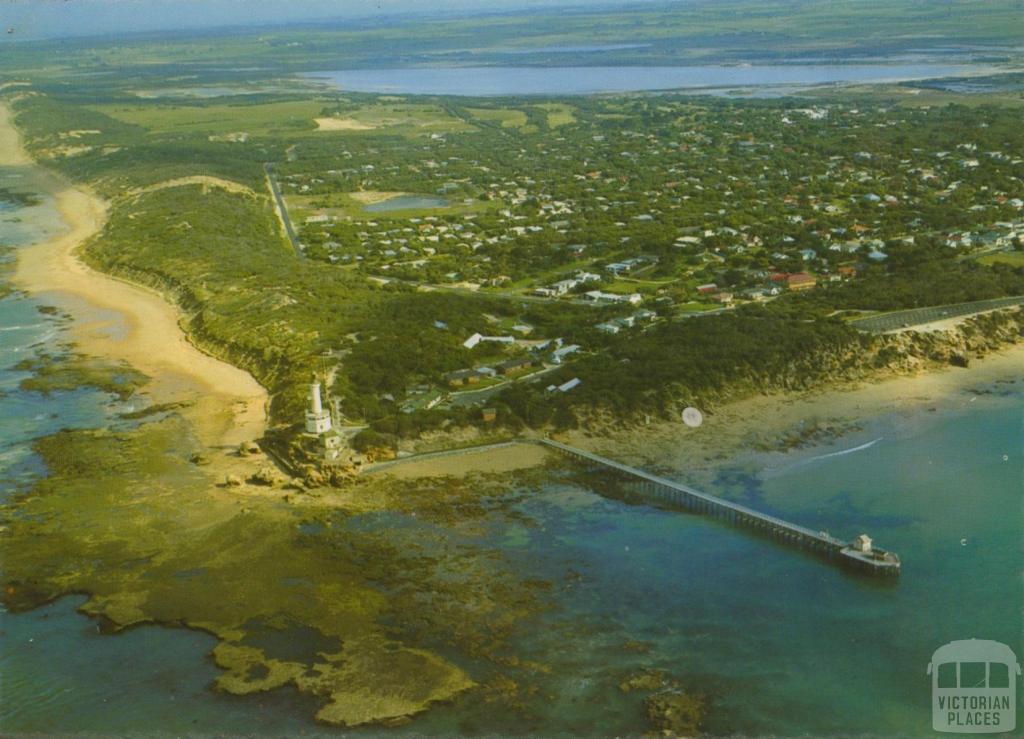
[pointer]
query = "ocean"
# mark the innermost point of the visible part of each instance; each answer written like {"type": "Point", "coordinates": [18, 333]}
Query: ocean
{"type": "Point", "coordinates": [777, 641]}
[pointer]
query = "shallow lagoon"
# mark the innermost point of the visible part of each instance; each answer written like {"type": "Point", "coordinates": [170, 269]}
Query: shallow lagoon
{"type": "Point", "coordinates": [406, 202]}
{"type": "Point", "coordinates": [490, 81]}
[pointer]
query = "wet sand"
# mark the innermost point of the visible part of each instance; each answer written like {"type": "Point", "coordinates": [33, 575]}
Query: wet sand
{"type": "Point", "coordinates": [124, 322]}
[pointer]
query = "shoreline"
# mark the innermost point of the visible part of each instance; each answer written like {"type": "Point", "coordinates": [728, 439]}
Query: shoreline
{"type": "Point", "coordinates": [753, 426]}
{"type": "Point", "coordinates": [774, 424]}
{"type": "Point", "coordinates": [121, 321]}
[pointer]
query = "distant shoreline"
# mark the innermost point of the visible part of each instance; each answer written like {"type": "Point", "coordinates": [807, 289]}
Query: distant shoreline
{"type": "Point", "coordinates": [226, 404]}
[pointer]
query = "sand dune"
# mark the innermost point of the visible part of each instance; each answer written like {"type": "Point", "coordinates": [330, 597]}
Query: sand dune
{"type": "Point", "coordinates": [204, 180]}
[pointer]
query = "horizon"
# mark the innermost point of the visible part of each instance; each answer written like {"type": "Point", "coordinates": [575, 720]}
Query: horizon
{"type": "Point", "coordinates": [53, 21]}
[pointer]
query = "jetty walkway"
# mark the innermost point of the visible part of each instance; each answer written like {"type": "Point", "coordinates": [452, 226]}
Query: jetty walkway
{"type": "Point", "coordinates": [874, 561]}
{"type": "Point", "coordinates": [858, 554]}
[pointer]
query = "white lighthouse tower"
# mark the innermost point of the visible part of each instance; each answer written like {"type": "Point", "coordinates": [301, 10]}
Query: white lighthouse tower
{"type": "Point", "coordinates": [318, 420]}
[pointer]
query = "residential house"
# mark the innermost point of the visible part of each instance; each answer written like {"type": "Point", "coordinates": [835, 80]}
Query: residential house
{"type": "Point", "coordinates": [514, 365]}
{"type": "Point", "coordinates": [597, 295]}
{"type": "Point", "coordinates": [801, 281]}
{"type": "Point", "coordinates": [460, 378]}
{"type": "Point", "coordinates": [559, 355]}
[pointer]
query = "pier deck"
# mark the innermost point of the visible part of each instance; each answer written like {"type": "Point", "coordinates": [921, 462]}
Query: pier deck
{"type": "Point", "coordinates": [678, 494]}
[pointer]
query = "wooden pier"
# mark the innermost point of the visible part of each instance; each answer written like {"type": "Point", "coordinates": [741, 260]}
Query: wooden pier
{"type": "Point", "coordinates": [659, 489]}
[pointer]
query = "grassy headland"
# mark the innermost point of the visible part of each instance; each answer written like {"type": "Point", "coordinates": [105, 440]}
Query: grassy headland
{"type": "Point", "coordinates": [140, 520]}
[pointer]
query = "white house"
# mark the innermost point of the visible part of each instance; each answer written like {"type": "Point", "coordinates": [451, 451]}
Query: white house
{"type": "Point", "coordinates": [558, 355]}
{"type": "Point", "coordinates": [632, 299]}
{"type": "Point", "coordinates": [566, 387]}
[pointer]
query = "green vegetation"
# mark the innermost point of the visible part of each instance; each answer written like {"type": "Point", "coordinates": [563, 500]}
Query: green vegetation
{"type": "Point", "coordinates": [695, 361]}
{"type": "Point", "coordinates": [397, 116]}
{"type": "Point", "coordinates": [504, 117]}
{"type": "Point", "coordinates": [228, 281]}
{"type": "Point", "coordinates": [924, 274]}
{"type": "Point", "coordinates": [642, 245]}
{"type": "Point", "coordinates": [559, 114]}
{"type": "Point", "coordinates": [217, 118]}
{"type": "Point", "coordinates": [656, 196]}
{"type": "Point", "coordinates": [114, 156]}
{"type": "Point", "coordinates": [1012, 258]}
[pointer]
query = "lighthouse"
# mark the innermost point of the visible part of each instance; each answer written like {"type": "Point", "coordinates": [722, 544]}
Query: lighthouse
{"type": "Point", "coordinates": [318, 420]}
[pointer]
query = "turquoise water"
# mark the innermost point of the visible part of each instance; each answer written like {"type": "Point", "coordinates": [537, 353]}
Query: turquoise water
{"type": "Point", "coordinates": [406, 202]}
{"type": "Point", "coordinates": [24, 331]}
{"type": "Point", "coordinates": [778, 641]}
{"type": "Point", "coordinates": [485, 81]}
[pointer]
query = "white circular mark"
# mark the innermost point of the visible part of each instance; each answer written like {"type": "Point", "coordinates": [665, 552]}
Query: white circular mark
{"type": "Point", "coordinates": [963, 542]}
{"type": "Point", "coordinates": [692, 417]}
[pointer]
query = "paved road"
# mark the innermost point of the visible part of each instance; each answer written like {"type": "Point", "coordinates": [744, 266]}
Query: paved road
{"type": "Point", "coordinates": [468, 398]}
{"type": "Point", "coordinates": [917, 316]}
{"type": "Point", "coordinates": [378, 466]}
{"type": "Point", "coordinates": [275, 190]}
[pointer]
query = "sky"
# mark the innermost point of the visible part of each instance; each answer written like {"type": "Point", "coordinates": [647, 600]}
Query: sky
{"type": "Point", "coordinates": [33, 19]}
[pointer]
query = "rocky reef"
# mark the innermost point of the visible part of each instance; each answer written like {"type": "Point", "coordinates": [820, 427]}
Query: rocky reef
{"type": "Point", "coordinates": [68, 371]}
{"type": "Point", "coordinates": [134, 521]}
{"type": "Point", "coordinates": [670, 709]}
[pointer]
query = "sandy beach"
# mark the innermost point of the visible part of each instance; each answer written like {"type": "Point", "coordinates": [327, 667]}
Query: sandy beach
{"type": "Point", "coordinates": [766, 421]}
{"type": "Point", "coordinates": [123, 322]}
